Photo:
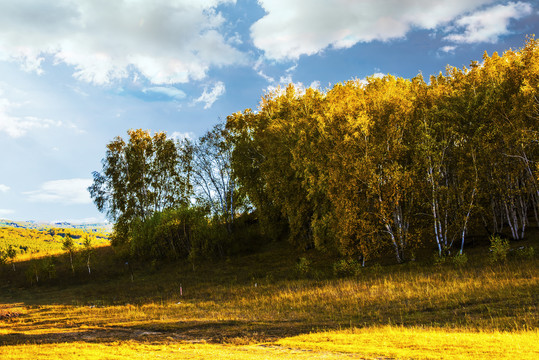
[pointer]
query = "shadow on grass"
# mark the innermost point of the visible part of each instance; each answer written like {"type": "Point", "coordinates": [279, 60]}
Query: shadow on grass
{"type": "Point", "coordinates": [236, 332]}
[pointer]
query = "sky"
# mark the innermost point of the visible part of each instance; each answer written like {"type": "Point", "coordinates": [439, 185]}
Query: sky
{"type": "Point", "coordinates": [74, 74]}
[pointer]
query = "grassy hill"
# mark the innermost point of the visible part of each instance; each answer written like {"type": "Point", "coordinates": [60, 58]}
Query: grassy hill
{"type": "Point", "coordinates": [33, 239]}
{"type": "Point", "coordinates": [278, 302]}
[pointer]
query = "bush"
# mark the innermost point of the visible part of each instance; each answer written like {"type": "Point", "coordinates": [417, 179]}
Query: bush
{"type": "Point", "coordinates": [303, 266]}
{"type": "Point", "coordinates": [499, 248]}
{"type": "Point", "coordinates": [459, 260]}
{"type": "Point", "coordinates": [346, 267]}
{"type": "Point", "coordinates": [439, 260]}
{"type": "Point", "coordinates": [525, 252]}
{"type": "Point", "coordinates": [173, 234]}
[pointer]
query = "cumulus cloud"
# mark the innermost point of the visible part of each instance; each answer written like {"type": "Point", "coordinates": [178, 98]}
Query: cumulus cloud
{"type": "Point", "coordinates": [209, 97]}
{"type": "Point", "coordinates": [167, 41]}
{"type": "Point", "coordinates": [66, 191]}
{"type": "Point", "coordinates": [305, 27]}
{"type": "Point", "coordinates": [489, 24]}
{"type": "Point", "coordinates": [4, 188]}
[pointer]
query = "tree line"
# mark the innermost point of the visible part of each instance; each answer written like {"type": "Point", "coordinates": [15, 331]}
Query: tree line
{"type": "Point", "coordinates": [382, 165]}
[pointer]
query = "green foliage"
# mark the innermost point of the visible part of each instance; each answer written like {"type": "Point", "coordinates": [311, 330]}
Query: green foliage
{"type": "Point", "coordinates": [68, 244]}
{"type": "Point", "coordinates": [525, 252]}
{"type": "Point", "coordinates": [213, 183]}
{"type": "Point", "coordinates": [140, 177]}
{"type": "Point", "coordinates": [303, 266]}
{"type": "Point", "coordinates": [33, 272]}
{"type": "Point", "coordinates": [499, 249]}
{"type": "Point", "coordinates": [347, 267]}
{"type": "Point", "coordinates": [174, 234]}
{"type": "Point", "coordinates": [366, 168]}
{"type": "Point", "coordinates": [48, 267]}
{"type": "Point", "coordinates": [357, 168]}
{"type": "Point", "coordinates": [3, 257]}
{"type": "Point", "coordinates": [438, 259]}
{"type": "Point", "coordinates": [460, 260]}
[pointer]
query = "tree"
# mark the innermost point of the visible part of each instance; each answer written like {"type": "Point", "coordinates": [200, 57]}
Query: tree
{"type": "Point", "coordinates": [138, 178]}
{"type": "Point", "coordinates": [211, 175]}
{"type": "Point", "coordinates": [3, 256]}
{"type": "Point", "coordinates": [69, 246]}
{"type": "Point", "coordinates": [268, 163]}
{"type": "Point", "coordinates": [248, 156]}
{"type": "Point", "coordinates": [11, 253]}
{"type": "Point", "coordinates": [88, 249]}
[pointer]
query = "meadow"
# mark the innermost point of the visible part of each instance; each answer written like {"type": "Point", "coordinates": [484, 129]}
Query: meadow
{"type": "Point", "coordinates": [39, 240]}
{"type": "Point", "coordinates": [270, 304]}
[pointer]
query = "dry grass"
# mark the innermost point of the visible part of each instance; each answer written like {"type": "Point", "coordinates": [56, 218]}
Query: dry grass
{"type": "Point", "coordinates": [257, 308]}
{"type": "Point", "coordinates": [421, 343]}
{"type": "Point", "coordinates": [368, 343]}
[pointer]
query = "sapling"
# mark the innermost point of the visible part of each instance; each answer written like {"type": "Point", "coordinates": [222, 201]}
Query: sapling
{"type": "Point", "coordinates": [88, 249]}
{"type": "Point", "coordinates": [69, 246]}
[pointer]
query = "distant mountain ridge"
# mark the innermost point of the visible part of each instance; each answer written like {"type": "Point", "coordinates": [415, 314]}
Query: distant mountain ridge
{"type": "Point", "coordinates": [36, 225]}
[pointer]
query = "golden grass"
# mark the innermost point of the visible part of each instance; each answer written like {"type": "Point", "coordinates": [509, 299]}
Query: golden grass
{"type": "Point", "coordinates": [134, 350]}
{"type": "Point", "coordinates": [367, 343]}
{"type": "Point", "coordinates": [421, 343]}
{"type": "Point", "coordinates": [246, 311]}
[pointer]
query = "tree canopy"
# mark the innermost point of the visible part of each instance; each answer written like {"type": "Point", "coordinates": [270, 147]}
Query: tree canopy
{"type": "Point", "coordinates": [384, 164]}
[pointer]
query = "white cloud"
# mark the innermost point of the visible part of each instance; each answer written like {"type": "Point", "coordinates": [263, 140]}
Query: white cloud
{"type": "Point", "coordinates": [305, 27]}
{"type": "Point", "coordinates": [4, 212]}
{"type": "Point", "coordinates": [448, 48]}
{"type": "Point", "coordinates": [13, 121]}
{"type": "Point", "coordinates": [66, 191]}
{"type": "Point", "coordinates": [169, 91]}
{"type": "Point", "coordinates": [167, 41]}
{"type": "Point", "coordinates": [489, 24]}
{"type": "Point", "coordinates": [315, 85]}
{"type": "Point", "coordinates": [208, 98]}
{"type": "Point", "coordinates": [177, 135]}
{"type": "Point", "coordinates": [17, 126]}
{"type": "Point", "coordinates": [4, 188]}
{"type": "Point", "coordinates": [257, 67]}
{"type": "Point", "coordinates": [265, 76]}
{"type": "Point", "coordinates": [285, 79]}
{"type": "Point", "coordinates": [377, 75]}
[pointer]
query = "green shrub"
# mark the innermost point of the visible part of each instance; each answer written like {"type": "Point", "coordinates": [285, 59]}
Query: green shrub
{"type": "Point", "coordinates": [439, 260]}
{"type": "Point", "coordinates": [525, 252]}
{"type": "Point", "coordinates": [459, 260]}
{"type": "Point", "coordinates": [499, 248]}
{"type": "Point", "coordinates": [172, 234]}
{"type": "Point", "coordinates": [346, 267]}
{"type": "Point", "coordinates": [303, 266]}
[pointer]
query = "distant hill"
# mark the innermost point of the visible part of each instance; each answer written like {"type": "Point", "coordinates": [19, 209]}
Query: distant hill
{"type": "Point", "coordinates": [35, 225]}
{"type": "Point", "coordinates": [31, 237]}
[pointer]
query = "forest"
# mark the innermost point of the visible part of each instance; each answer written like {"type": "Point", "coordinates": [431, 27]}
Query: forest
{"type": "Point", "coordinates": [366, 169]}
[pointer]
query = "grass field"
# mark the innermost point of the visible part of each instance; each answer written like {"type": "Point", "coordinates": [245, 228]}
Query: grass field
{"type": "Point", "coordinates": [260, 306]}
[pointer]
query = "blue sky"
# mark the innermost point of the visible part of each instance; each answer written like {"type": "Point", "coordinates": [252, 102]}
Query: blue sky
{"type": "Point", "coordinates": [76, 73]}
